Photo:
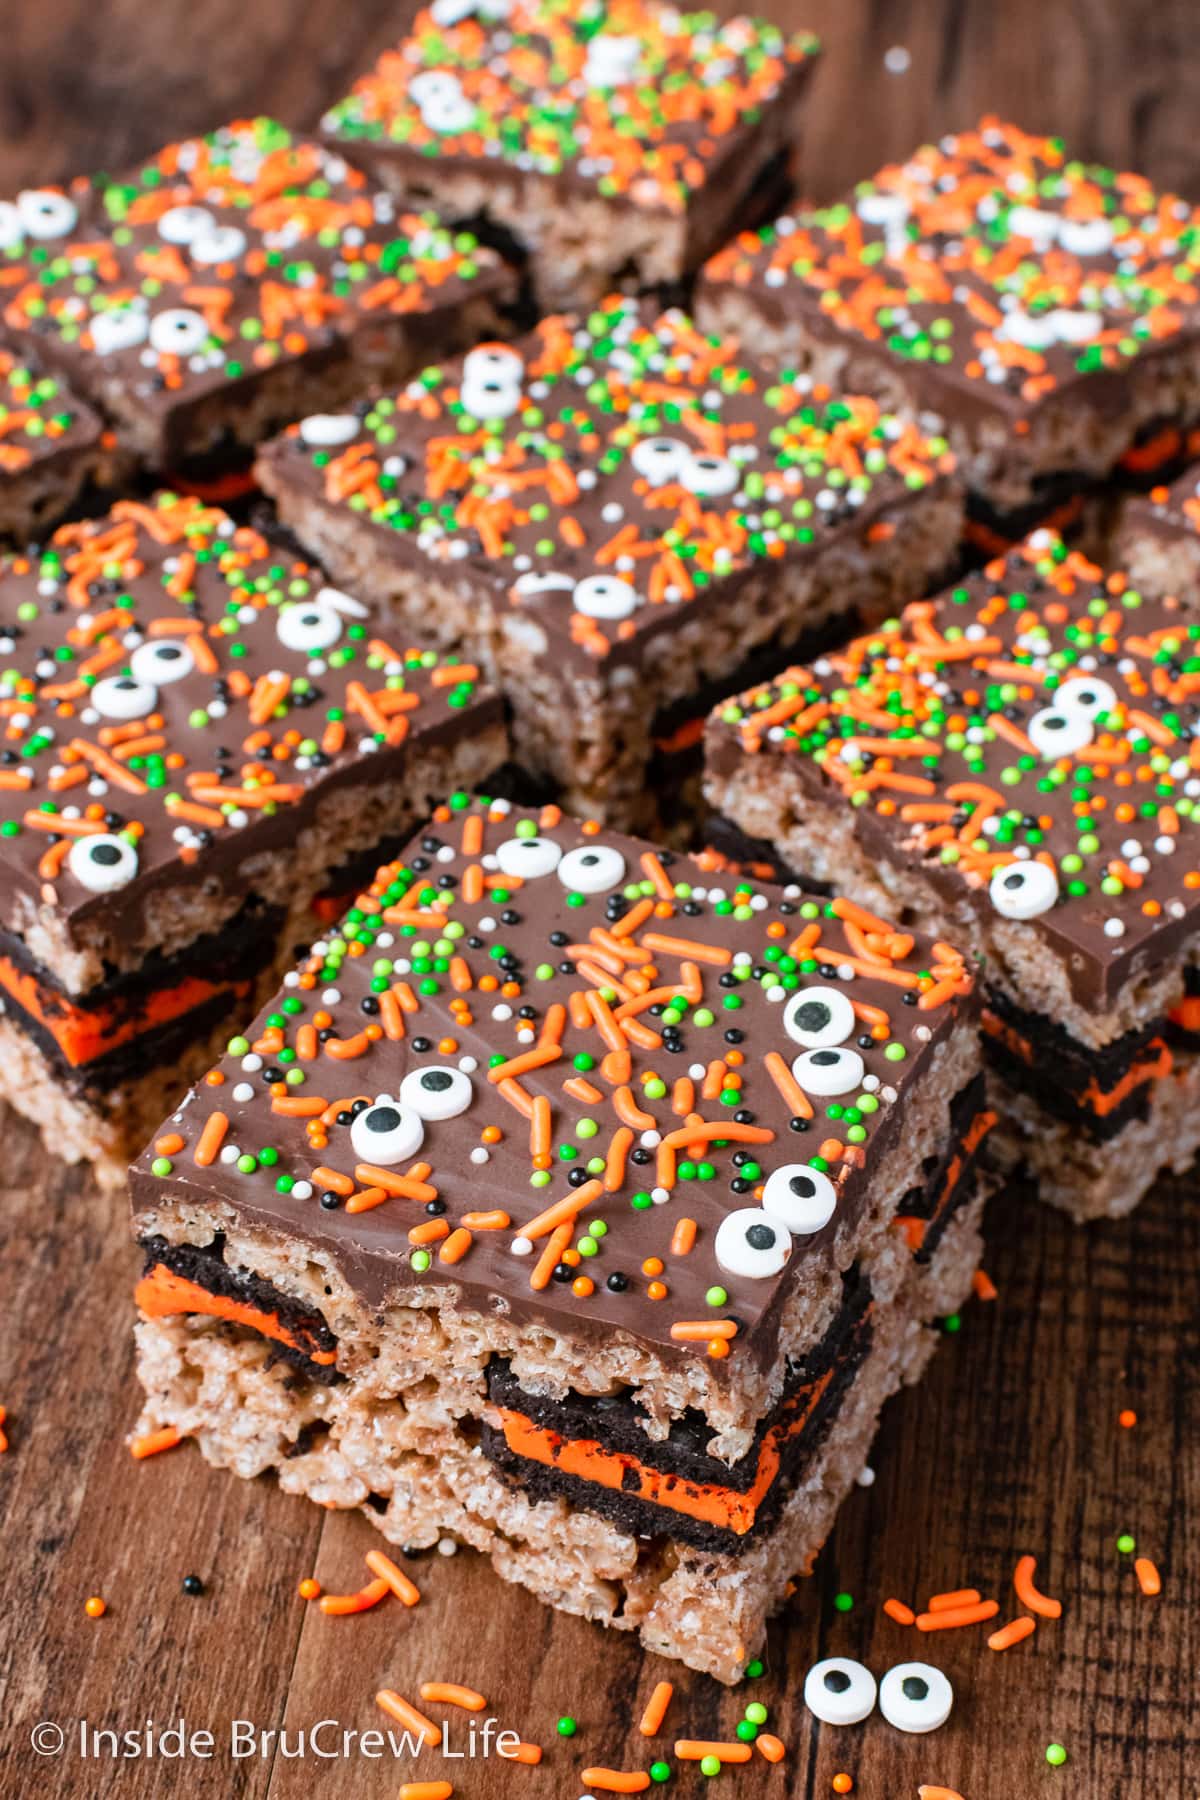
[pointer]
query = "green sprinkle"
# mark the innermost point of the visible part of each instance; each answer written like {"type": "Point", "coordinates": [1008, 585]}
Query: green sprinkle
{"type": "Point", "coordinates": [1056, 1756]}
{"type": "Point", "coordinates": [660, 1771]}
{"type": "Point", "coordinates": [843, 1603]}
{"type": "Point", "coordinates": [1126, 1544]}
{"type": "Point", "coordinates": [566, 1726]}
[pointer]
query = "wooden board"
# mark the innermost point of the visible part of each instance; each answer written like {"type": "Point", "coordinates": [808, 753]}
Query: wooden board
{"type": "Point", "coordinates": [1012, 1444]}
{"type": "Point", "coordinates": [84, 86]}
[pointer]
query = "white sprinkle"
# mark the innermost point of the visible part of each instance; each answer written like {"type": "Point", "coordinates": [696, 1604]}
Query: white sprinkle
{"type": "Point", "coordinates": [243, 1092]}
{"type": "Point", "coordinates": [521, 1246]}
{"type": "Point", "coordinates": [866, 1476]}
{"type": "Point", "coordinates": [302, 1190]}
{"type": "Point", "coordinates": [252, 1063]}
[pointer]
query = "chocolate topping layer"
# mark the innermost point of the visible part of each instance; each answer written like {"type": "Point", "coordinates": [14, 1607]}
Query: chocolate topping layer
{"type": "Point", "coordinates": [552, 1072]}
{"type": "Point", "coordinates": [993, 272]}
{"type": "Point", "coordinates": [179, 697]}
{"type": "Point", "coordinates": [1029, 740]}
{"type": "Point", "coordinates": [588, 486]}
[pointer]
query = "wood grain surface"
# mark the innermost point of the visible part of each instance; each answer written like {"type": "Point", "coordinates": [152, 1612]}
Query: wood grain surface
{"type": "Point", "coordinates": [90, 84]}
{"type": "Point", "coordinates": [1012, 1444]}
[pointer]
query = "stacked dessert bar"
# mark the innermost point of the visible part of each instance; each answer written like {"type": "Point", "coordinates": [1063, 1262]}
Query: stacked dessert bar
{"type": "Point", "coordinates": [199, 736]}
{"type": "Point", "coordinates": [575, 1206]}
{"type": "Point", "coordinates": [621, 519]}
{"type": "Point", "coordinates": [615, 141]}
{"type": "Point", "coordinates": [50, 446]}
{"type": "Point", "coordinates": [1045, 308]}
{"type": "Point", "coordinates": [229, 284]}
{"type": "Point", "coordinates": [1016, 764]}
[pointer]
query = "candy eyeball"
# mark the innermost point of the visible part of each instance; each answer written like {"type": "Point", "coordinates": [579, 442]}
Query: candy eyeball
{"type": "Point", "coordinates": [752, 1243]}
{"type": "Point", "coordinates": [1060, 731]}
{"type": "Point", "coordinates": [308, 627]}
{"type": "Point", "coordinates": [804, 1199]}
{"type": "Point", "coordinates": [819, 1017]}
{"type": "Point", "coordinates": [224, 243]}
{"type": "Point", "coordinates": [604, 597]}
{"type": "Point", "coordinates": [161, 661]}
{"type": "Point", "coordinates": [46, 214]}
{"type": "Point", "coordinates": [1085, 237]}
{"type": "Point", "coordinates": [448, 113]}
{"type": "Point", "coordinates": [178, 332]}
{"type": "Point", "coordinates": [829, 1072]}
{"type": "Point", "coordinates": [124, 697]}
{"type": "Point", "coordinates": [528, 857]}
{"type": "Point", "coordinates": [592, 869]}
{"type": "Point", "coordinates": [119, 328]}
{"type": "Point", "coordinates": [323, 430]}
{"type": "Point", "coordinates": [659, 459]}
{"type": "Point", "coordinates": [436, 1092]}
{"type": "Point", "coordinates": [490, 397]}
{"type": "Point", "coordinates": [493, 362]}
{"type": "Point", "coordinates": [1023, 890]}
{"type": "Point", "coordinates": [433, 84]}
{"type": "Point", "coordinates": [387, 1133]}
{"type": "Point", "coordinates": [839, 1691]}
{"type": "Point", "coordinates": [103, 862]}
{"type": "Point", "coordinates": [180, 224]}
{"type": "Point", "coordinates": [1085, 694]}
{"type": "Point", "coordinates": [709, 475]}
{"type": "Point", "coordinates": [915, 1697]}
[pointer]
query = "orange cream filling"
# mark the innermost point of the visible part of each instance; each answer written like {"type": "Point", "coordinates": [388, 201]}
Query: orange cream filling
{"type": "Point", "coordinates": [1153, 1063]}
{"type": "Point", "coordinates": [733, 1509]}
{"type": "Point", "coordinates": [160, 1294]}
{"type": "Point", "coordinates": [85, 1033]}
{"type": "Point", "coordinates": [915, 1230]}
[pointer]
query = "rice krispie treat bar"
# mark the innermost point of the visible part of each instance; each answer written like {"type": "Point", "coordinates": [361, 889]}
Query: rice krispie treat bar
{"type": "Point", "coordinates": [49, 447]}
{"type": "Point", "coordinates": [231, 283]}
{"type": "Point", "coordinates": [577, 1208]}
{"type": "Point", "coordinates": [1015, 764]}
{"type": "Point", "coordinates": [1158, 540]}
{"type": "Point", "coordinates": [1046, 309]}
{"type": "Point", "coordinates": [199, 736]}
{"type": "Point", "coordinates": [618, 518]}
{"type": "Point", "coordinates": [620, 140]}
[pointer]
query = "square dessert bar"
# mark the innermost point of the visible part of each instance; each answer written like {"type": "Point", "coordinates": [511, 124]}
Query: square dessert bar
{"type": "Point", "coordinates": [232, 282]}
{"type": "Point", "coordinates": [1158, 538]}
{"type": "Point", "coordinates": [198, 736]}
{"type": "Point", "coordinates": [49, 447]}
{"type": "Point", "coordinates": [622, 139]}
{"type": "Point", "coordinates": [1017, 764]}
{"type": "Point", "coordinates": [598, 1211]}
{"type": "Point", "coordinates": [614, 517]}
{"type": "Point", "coordinates": [1045, 308]}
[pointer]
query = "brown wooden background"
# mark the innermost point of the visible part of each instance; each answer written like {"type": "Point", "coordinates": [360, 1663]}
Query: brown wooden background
{"type": "Point", "coordinates": [1012, 1443]}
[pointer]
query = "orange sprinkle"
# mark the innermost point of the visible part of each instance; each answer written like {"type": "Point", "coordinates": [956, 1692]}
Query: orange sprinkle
{"type": "Point", "coordinates": [1148, 1576]}
{"type": "Point", "coordinates": [384, 1569]}
{"type": "Point", "coordinates": [693, 1749]}
{"type": "Point", "coordinates": [770, 1746]}
{"type": "Point", "coordinates": [1028, 1595]}
{"type": "Point", "coordinates": [616, 1781]}
{"type": "Point", "coordinates": [404, 1714]}
{"type": "Point", "coordinates": [210, 1140]}
{"type": "Point", "coordinates": [683, 1236]}
{"type": "Point", "coordinates": [449, 1693]}
{"type": "Point", "coordinates": [152, 1442]}
{"type": "Point", "coordinates": [339, 1605]}
{"type": "Point", "coordinates": [955, 1616]}
{"type": "Point", "coordinates": [1127, 1419]}
{"type": "Point", "coordinates": [656, 1709]}
{"type": "Point", "coordinates": [309, 1589]}
{"type": "Point", "coordinates": [896, 1609]}
{"type": "Point", "coordinates": [1011, 1634]}
{"type": "Point", "coordinates": [425, 1790]}
{"type": "Point", "coordinates": [959, 1597]}
{"type": "Point", "coordinates": [522, 1753]}
{"type": "Point", "coordinates": [95, 1607]}
{"type": "Point", "coordinates": [842, 1783]}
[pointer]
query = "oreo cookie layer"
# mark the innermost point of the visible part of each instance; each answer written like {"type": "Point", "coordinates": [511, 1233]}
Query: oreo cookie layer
{"type": "Point", "coordinates": [1100, 1090]}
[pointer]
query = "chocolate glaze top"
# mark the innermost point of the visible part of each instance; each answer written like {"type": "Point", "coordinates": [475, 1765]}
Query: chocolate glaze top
{"type": "Point", "coordinates": [993, 267]}
{"type": "Point", "coordinates": [216, 260]}
{"type": "Point", "coordinates": [40, 417]}
{"type": "Point", "coordinates": [1030, 739]}
{"type": "Point", "coordinates": [635, 100]}
{"type": "Point", "coordinates": [548, 1074]}
{"type": "Point", "coordinates": [600, 476]}
{"type": "Point", "coordinates": [176, 693]}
